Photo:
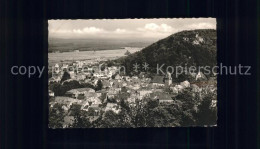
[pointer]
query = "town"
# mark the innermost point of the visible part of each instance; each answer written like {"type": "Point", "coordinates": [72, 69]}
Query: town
{"type": "Point", "coordinates": [81, 94]}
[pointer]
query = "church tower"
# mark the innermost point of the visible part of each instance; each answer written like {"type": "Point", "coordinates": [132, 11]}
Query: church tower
{"type": "Point", "coordinates": [168, 79]}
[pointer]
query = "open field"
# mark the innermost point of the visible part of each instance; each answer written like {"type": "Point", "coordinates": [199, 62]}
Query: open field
{"type": "Point", "coordinates": [69, 45]}
{"type": "Point", "coordinates": [88, 55]}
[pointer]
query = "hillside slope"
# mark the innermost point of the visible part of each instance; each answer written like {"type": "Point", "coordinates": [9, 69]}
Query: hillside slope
{"type": "Point", "coordinates": [186, 48]}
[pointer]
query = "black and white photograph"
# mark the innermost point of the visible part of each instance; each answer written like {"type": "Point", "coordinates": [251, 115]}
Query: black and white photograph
{"type": "Point", "coordinates": [131, 73]}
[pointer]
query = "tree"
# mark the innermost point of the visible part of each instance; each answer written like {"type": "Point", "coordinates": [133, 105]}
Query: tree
{"type": "Point", "coordinates": [57, 89]}
{"type": "Point", "coordinates": [127, 53]}
{"type": "Point", "coordinates": [160, 117]}
{"type": "Point", "coordinates": [187, 118]}
{"type": "Point", "coordinates": [187, 99]}
{"type": "Point", "coordinates": [49, 75]}
{"type": "Point", "coordinates": [188, 104]}
{"type": "Point", "coordinates": [91, 112]}
{"type": "Point", "coordinates": [72, 84]}
{"type": "Point", "coordinates": [99, 85]}
{"type": "Point", "coordinates": [122, 96]}
{"type": "Point", "coordinates": [60, 90]}
{"type": "Point", "coordinates": [103, 67]}
{"type": "Point", "coordinates": [124, 105]}
{"type": "Point", "coordinates": [80, 118]}
{"type": "Point", "coordinates": [56, 116]}
{"type": "Point", "coordinates": [87, 85]}
{"type": "Point", "coordinates": [65, 76]}
{"type": "Point", "coordinates": [110, 120]}
{"type": "Point", "coordinates": [123, 89]}
{"type": "Point", "coordinates": [111, 100]}
{"type": "Point", "coordinates": [206, 114]}
{"type": "Point", "coordinates": [114, 75]}
{"type": "Point", "coordinates": [110, 63]}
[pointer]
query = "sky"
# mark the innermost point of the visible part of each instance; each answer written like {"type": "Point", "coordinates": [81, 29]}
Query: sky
{"type": "Point", "coordinates": [153, 29]}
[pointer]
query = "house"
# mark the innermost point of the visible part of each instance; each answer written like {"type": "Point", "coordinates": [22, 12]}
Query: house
{"type": "Point", "coordinates": [112, 93]}
{"type": "Point", "coordinates": [213, 103]}
{"type": "Point", "coordinates": [105, 84]}
{"type": "Point", "coordinates": [116, 83]}
{"type": "Point", "coordinates": [134, 77]}
{"type": "Point", "coordinates": [95, 108]}
{"type": "Point", "coordinates": [101, 92]}
{"type": "Point", "coordinates": [158, 81]}
{"type": "Point", "coordinates": [54, 80]}
{"type": "Point", "coordinates": [103, 97]}
{"type": "Point", "coordinates": [179, 88]}
{"type": "Point", "coordinates": [98, 75]}
{"type": "Point", "coordinates": [174, 90]}
{"type": "Point", "coordinates": [142, 75]}
{"type": "Point", "coordinates": [124, 84]}
{"type": "Point", "coordinates": [127, 78]}
{"type": "Point", "coordinates": [161, 97]}
{"type": "Point", "coordinates": [112, 70]}
{"type": "Point", "coordinates": [50, 69]}
{"type": "Point", "coordinates": [131, 99]}
{"type": "Point", "coordinates": [65, 101]}
{"type": "Point", "coordinates": [200, 76]}
{"type": "Point", "coordinates": [56, 68]}
{"type": "Point", "coordinates": [52, 103]}
{"type": "Point", "coordinates": [64, 67]}
{"type": "Point", "coordinates": [87, 80]}
{"type": "Point", "coordinates": [144, 93]}
{"type": "Point", "coordinates": [71, 71]}
{"type": "Point", "coordinates": [118, 77]}
{"type": "Point", "coordinates": [136, 81]}
{"type": "Point", "coordinates": [51, 93]}
{"type": "Point", "coordinates": [68, 120]}
{"type": "Point", "coordinates": [90, 69]}
{"type": "Point", "coordinates": [85, 105]}
{"type": "Point", "coordinates": [93, 98]}
{"type": "Point", "coordinates": [81, 96]}
{"type": "Point", "coordinates": [95, 101]}
{"type": "Point", "coordinates": [56, 65]}
{"type": "Point", "coordinates": [200, 39]}
{"type": "Point", "coordinates": [185, 84]}
{"type": "Point", "coordinates": [81, 76]}
{"type": "Point", "coordinates": [136, 86]}
{"type": "Point", "coordinates": [157, 90]}
{"type": "Point", "coordinates": [75, 92]}
{"type": "Point", "coordinates": [195, 42]}
{"type": "Point", "coordinates": [195, 88]}
{"type": "Point", "coordinates": [113, 107]}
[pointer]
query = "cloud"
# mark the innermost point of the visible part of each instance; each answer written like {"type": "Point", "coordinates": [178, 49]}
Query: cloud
{"type": "Point", "coordinates": [149, 30]}
{"type": "Point", "coordinates": [92, 30]}
{"type": "Point", "coordinates": [86, 30]}
{"type": "Point", "coordinates": [152, 27]}
{"type": "Point", "coordinates": [59, 31]}
{"type": "Point", "coordinates": [120, 31]}
{"type": "Point", "coordinates": [153, 30]}
{"type": "Point", "coordinates": [126, 29]}
{"type": "Point", "coordinates": [202, 26]}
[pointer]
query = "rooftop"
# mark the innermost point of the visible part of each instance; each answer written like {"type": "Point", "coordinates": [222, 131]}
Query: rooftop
{"type": "Point", "coordinates": [158, 79]}
{"type": "Point", "coordinates": [80, 90]}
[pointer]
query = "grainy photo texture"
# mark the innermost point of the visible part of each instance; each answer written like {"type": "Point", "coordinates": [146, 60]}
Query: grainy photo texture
{"type": "Point", "coordinates": [129, 73]}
